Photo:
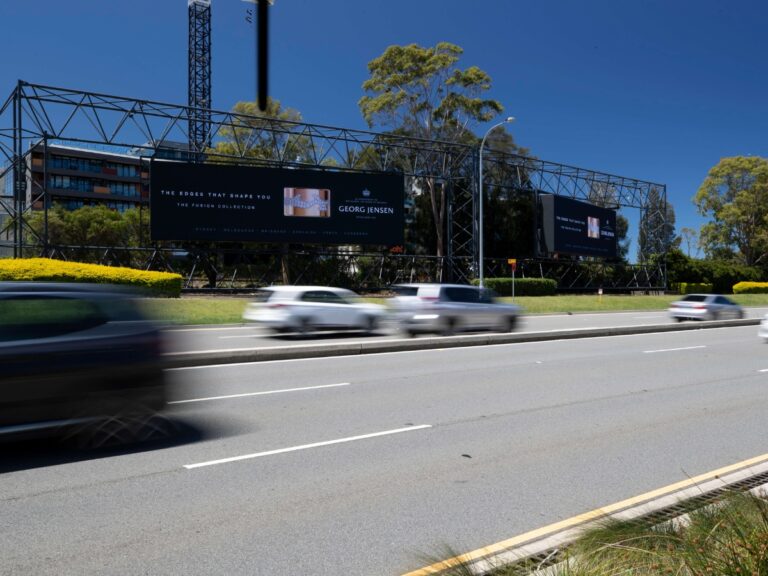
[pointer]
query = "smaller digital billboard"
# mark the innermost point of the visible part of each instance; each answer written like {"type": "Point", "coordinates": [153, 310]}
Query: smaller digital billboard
{"type": "Point", "coordinates": [222, 202]}
{"type": "Point", "coordinates": [574, 227]}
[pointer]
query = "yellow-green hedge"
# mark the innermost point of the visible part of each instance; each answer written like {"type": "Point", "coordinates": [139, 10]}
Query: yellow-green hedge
{"type": "Point", "coordinates": [692, 287]}
{"type": "Point", "coordinates": [750, 288]}
{"type": "Point", "coordinates": [47, 270]}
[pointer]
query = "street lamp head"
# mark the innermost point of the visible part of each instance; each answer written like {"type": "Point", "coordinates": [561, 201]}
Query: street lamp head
{"type": "Point", "coordinates": [509, 119]}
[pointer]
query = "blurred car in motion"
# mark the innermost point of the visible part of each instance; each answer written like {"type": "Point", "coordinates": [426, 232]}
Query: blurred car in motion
{"type": "Point", "coordinates": [705, 307]}
{"type": "Point", "coordinates": [449, 308]}
{"type": "Point", "coordinates": [762, 331]}
{"type": "Point", "coordinates": [304, 309]}
{"type": "Point", "coordinates": [76, 357]}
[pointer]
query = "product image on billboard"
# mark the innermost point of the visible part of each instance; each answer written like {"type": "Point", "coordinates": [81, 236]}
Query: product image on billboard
{"type": "Point", "coordinates": [255, 204]}
{"type": "Point", "coordinates": [574, 227]}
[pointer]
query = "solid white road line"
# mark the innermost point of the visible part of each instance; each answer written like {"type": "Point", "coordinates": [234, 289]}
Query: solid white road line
{"type": "Point", "coordinates": [263, 393]}
{"type": "Point", "coordinates": [673, 349]}
{"type": "Point", "coordinates": [306, 446]}
{"type": "Point", "coordinates": [763, 370]}
{"type": "Point", "coordinates": [213, 329]}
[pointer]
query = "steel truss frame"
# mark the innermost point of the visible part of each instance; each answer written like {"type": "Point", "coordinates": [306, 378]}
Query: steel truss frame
{"type": "Point", "coordinates": [39, 115]}
{"type": "Point", "coordinates": [199, 93]}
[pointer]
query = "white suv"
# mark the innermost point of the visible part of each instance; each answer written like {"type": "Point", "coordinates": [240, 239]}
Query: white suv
{"type": "Point", "coordinates": [304, 309]}
{"type": "Point", "coordinates": [449, 308]}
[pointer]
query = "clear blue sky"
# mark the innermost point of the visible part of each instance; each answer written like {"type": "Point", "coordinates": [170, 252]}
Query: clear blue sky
{"type": "Point", "coordinates": [658, 90]}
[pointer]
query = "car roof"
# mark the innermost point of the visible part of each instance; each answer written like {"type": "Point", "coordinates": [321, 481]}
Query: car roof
{"type": "Point", "coordinates": [292, 288]}
{"type": "Point", "coordinates": [433, 284]}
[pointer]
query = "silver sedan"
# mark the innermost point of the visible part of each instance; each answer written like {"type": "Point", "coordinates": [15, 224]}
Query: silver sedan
{"type": "Point", "coordinates": [705, 307]}
{"type": "Point", "coordinates": [449, 308]}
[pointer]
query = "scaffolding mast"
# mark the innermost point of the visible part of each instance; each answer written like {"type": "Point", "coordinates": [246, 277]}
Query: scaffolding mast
{"type": "Point", "coordinates": [199, 76]}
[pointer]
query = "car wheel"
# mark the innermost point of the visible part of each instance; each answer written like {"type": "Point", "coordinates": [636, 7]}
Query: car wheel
{"type": "Point", "coordinates": [370, 324]}
{"type": "Point", "coordinates": [678, 319]}
{"type": "Point", "coordinates": [715, 315]}
{"type": "Point", "coordinates": [740, 314]}
{"type": "Point", "coordinates": [305, 326]}
{"type": "Point", "coordinates": [449, 327]}
{"type": "Point", "coordinates": [509, 323]}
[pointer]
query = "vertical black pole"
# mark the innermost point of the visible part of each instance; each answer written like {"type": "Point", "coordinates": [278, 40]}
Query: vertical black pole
{"type": "Point", "coordinates": [262, 45]}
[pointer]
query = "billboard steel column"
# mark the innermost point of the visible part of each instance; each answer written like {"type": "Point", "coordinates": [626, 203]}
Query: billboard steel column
{"type": "Point", "coordinates": [199, 99]}
{"type": "Point", "coordinates": [19, 183]}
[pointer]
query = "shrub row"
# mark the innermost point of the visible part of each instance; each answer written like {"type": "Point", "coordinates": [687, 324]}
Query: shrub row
{"type": "Point", "coordinates": [722, 275]}
{"type": "Point", "coordinates": [47, 270]}
{"type": "Point", "coordinates": [692, 287]}
{"type": "Point", "coordinates": [523, 286]}
{"type": "Point", "coordinates": [751, 288]}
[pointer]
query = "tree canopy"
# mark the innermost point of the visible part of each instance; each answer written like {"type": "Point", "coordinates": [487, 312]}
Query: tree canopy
{"type": "Point", "coordinates": [250, 136]}
{"type": "Point", "coordinates": [735, 196]}
{"type": "Point", "coordinates": [421, 92]}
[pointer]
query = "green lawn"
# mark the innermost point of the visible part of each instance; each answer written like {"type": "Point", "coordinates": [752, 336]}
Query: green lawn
{"type": "Point", "coordinates": [228, 309]}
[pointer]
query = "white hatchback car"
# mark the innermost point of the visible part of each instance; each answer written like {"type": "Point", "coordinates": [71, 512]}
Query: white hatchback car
{"type": "Point", "coordinates": [304, 309]}
{"type": "Point", "coordinates": [763, 330]}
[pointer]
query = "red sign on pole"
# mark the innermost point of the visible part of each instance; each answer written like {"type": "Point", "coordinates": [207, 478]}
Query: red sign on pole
{"type": "Point", "coordinates": [513, 263]}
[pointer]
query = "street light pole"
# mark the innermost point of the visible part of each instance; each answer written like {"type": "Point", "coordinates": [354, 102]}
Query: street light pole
{"type": "Point", "coordinates": [482, 195]}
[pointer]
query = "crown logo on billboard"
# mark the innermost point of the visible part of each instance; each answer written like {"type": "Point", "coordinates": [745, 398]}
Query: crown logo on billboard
{"type": "Point", "coordinates": [366, 192]}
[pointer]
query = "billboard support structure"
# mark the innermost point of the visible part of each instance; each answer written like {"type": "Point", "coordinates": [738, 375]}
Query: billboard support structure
{"type": "Point", "coordinates": [115, 123]}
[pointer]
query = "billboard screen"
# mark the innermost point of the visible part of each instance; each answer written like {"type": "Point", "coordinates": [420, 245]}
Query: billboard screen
{"type": "Point", "coordinates": [574, 227]}
{"type": "Point", "coordinates": [253, 204]}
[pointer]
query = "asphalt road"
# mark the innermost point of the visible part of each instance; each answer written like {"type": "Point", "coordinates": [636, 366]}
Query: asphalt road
{"type": "Point", "coordinates": [238, 337]}
{"type": "Point", "coordinates": [365, 465]}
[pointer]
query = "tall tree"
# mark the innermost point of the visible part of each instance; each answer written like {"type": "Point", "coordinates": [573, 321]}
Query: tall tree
{"type": "Point", "coordinates": [735, 196]}
{"type": "Point", "coordinates": [657, 227]}
{"type": "Point", "coordinates": [421, 92]}
{"type": "Point", "coordinates": [689, 237]}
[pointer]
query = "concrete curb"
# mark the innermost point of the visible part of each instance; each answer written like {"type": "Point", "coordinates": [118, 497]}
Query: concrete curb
{"type": "Point", "coordinates": [206, 358]}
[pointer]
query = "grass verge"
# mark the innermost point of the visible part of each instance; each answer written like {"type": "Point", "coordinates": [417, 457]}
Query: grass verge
{"type": "Point", "coordinates": [728, 538]}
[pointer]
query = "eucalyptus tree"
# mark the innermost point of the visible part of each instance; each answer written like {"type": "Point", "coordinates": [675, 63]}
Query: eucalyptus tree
{"type": "Point", "coordinates": [735, 196]}
{"type": "Point", "coordinates": [422, 92]}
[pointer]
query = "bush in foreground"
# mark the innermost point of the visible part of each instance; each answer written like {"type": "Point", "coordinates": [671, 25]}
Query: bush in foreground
{"type": "Point", "coordinates": [47, 270]}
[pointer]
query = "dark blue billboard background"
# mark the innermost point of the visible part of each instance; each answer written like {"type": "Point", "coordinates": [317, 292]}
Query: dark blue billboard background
{"type": "Point", "coordinates": [254, 204]}
{"type": "Point", "coordinates": [580, 228]}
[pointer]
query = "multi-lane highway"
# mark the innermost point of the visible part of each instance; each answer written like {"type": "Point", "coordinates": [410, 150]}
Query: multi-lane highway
{"type": "Point", "coordinates": [365, 465]}
{"type": "Point", "coordinates": [197, 338]}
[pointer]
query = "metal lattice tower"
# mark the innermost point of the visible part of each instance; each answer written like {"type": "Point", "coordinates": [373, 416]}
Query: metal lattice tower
{"type": "Point", "coordinates": [199, 75]}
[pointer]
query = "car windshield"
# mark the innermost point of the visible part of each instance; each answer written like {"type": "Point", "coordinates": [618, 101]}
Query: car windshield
{"type": "Point", "coordinates": [405, 290]}
{"type": "Point", "coordinates": [262, 296]}
{"type": "Point", "coordinates": [694, 298]}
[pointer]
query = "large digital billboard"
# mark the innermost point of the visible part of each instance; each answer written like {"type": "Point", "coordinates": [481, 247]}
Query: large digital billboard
{"type": "Point", "coordinates": [573, 227]}
{"type": "Point", "coordinates": [254, 204]}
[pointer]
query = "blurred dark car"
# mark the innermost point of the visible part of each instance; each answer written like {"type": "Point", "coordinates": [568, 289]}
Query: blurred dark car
{"type": "Point", "coordinates": [75, 356]}
{"type": "Point", "coordinates": [449, 308]}
{"type": "Point", "coordinates": [705, 307]}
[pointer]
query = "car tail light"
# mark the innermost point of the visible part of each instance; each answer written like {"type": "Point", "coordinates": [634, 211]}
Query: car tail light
{"type": "Point", "coordinates": [276, 306]}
